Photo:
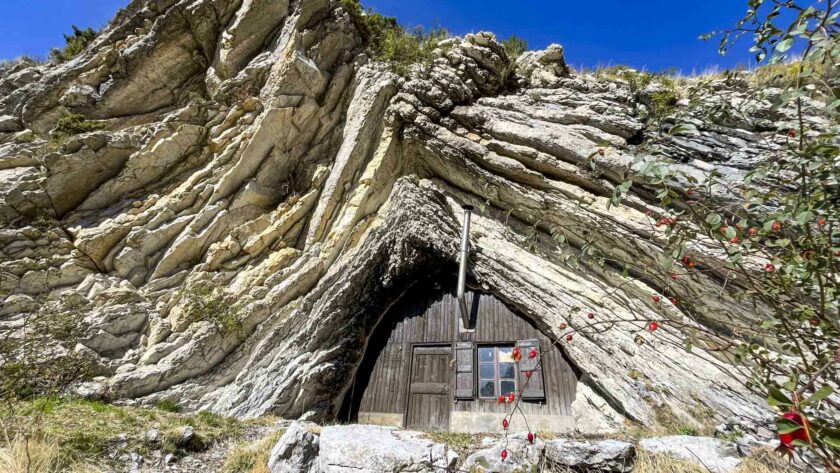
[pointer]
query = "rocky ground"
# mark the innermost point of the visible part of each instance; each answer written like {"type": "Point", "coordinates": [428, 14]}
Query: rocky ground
{"type": "Point", "coordinates": [255, 148]}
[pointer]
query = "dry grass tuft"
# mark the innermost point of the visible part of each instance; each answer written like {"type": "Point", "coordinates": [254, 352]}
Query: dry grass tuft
{"type": "Point", "coordinates": [251, 457]}
{"type": "Point", "coordinates": [762, 461]}
{"type": "Point", "coordinates": [37, 456]}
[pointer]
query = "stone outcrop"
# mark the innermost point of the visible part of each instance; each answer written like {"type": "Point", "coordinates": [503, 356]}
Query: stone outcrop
{"type": "Point", "coordinates": [253, 147]}
{"type": "Point", "coordinates": [715, 455]}
{"type": "Point", "coordinates": [374, 449]}
{"type": "Point", "coordinates": [296, 451]}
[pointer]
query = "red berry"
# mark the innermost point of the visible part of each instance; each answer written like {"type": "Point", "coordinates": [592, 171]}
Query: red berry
{"type": "Point", "coordinates": [753, 231]}
{"type": "Point", "coordinates": [511, 397]}
{"type": "Point", "coordinates": [689, 192]}
{"type": "Point", "coordinates": [792, 133]}
{"type": "Point", "coordinates": [569, 337]}
{"type": "Point", "coordinates": [532, 354]}
{"type": "Point", "coordinates": [531, 437]}
{"type": "Point", "coordinates": [504, 455]}
{"type": "Point", "coordinates": [563, 325]}
{"type": "Point", "coordinates": [505, 424]}
{"type": "Point", "coordinates": [815, 322]}
{"type": "Point", "coordinates": [837, 254]}
{"type": "Point", "coordinates": [675, 301]}
{"type": "Point", "coordinates": [517, 354]}
{"type": "Point", "coordinates": [801, 434]}
{"type": "Point", "coordinates": [529, 373]}
{"type": "Point", "coordinates": [822, 222]}
{"type": "Point", "coordinates": [601, 151]}
{"type": "Point", "coordinates": [691, 264]}
{"type": "Point", "coordinates": [501, 399]}
{"type": "Point", "coordinates": [723, 230]}
{"type": "Point", "coordinates": [653, 326]}
{"type": "Point", "coordinates": [673, 276]}
{"type": "Point", "coordinates": [734, 240]}
{"type": "Point", "coordinates": [590, 315]}
{"type": "Point", "coordinates": [776, 226]}
{"type": "Point", "coordinates": [656, 298]}
{"type": "Point", "coordinates": [769, 267]}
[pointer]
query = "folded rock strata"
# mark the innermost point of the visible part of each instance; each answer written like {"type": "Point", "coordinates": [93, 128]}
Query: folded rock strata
{"type": "Point", "coordinates": [255, 147]}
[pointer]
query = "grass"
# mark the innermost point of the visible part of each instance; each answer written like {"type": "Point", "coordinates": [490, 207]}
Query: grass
{"type": "Point", "coordinates": [84, 430]}
{"type": "Point", "coordinates": [75, 44]}
{"type": "Point", "coordinates": [456, 440]}
{"type": "Point", "coordinates": [387, 41]}
{"type": "Point", "coordinates": [75, 124]}
{"type": "Point", "coordinates": [168, 405]}
{"type": "Point", "coordinates": [251, 457]}
{"type": "Point", "coordinates": [763, 461]}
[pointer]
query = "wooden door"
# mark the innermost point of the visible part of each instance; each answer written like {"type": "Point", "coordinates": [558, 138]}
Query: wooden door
{"type": "Point", "coordinates": [429, 388]}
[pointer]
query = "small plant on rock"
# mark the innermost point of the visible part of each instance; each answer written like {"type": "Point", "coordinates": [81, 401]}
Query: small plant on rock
{"type": "Point", "coordinates": [203, 303]}
{"type": "Point", "coordinates": [75, 44]}
{"type": "Point", "coordinates": [74, 124]}
{"type": "Point", "coordinates": [515, 46]}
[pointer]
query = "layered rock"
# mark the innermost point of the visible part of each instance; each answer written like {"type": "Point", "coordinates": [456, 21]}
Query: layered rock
{"type": "Point", "coordinates": [254, 147]}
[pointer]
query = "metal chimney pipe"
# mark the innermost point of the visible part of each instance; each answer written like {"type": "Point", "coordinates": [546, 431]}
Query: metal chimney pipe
{"type": "Point", "coordinates": [462, 270]}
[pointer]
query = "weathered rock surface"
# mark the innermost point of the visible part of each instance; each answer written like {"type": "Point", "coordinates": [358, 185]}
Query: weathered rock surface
{"type": "Point", "coordinates": [716, 455]}
{"type": "Point", "coordinates": [254, 147]}
{"type": "Point", "coordinates": [296, 451]}
{"type": "Point", "coordinates": [604, 455]}
{"type": "Point", "coordinates": [376, 449]}
{"type": "Point", "coordinates": [521, 455]}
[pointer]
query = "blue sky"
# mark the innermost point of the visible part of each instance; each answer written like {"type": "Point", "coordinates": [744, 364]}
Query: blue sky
{"type": "Point", "coordinates": [652, 34]}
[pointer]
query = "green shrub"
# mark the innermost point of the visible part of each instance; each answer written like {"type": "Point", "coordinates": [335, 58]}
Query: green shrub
{"type": "Point", "coordinates": [75, 124]}
{"type": "Point", "coordinates": [515, 46]}
{"type": "Point", "coordinates": [75, 44]}
{"type": "Point", "coordinates": [206, 304]}
{"type": "Point", "coordinates": [387, 41]}
{"type": "Point", "coordinates": [402, 48]}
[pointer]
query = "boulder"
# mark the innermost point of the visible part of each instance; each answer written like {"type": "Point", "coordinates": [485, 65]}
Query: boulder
{"type": "Point", "coordinates": [604, 455]}
{"type": "Point", "coordinates": [9, 124]}
{"type": "Point", "coordinates": [79, 96]}
{"type": "Point", "coordinates": [716, 455]}
{"type": "Point", "coordinates": [295, 452]}
{"type": "Point", "coordinates": [376, 449]}
{"type": "Point", "coordinates": [521, 455]}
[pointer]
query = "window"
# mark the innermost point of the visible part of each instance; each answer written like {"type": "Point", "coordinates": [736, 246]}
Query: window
{"type": "Point", "coordinates": [496, 371]}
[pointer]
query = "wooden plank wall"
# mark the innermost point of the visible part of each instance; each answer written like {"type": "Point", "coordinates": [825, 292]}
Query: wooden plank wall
{"type": "Point", "coordinates": [429, 314]}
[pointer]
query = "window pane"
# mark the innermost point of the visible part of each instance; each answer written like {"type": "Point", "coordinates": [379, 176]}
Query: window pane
{"type": "Point", "coordinates": [507, 387]}
{"type": "Point", "coordinates": [487, 389]}
{"type": "Point", "coordinates": [486, 371]}
{"type": "Point", "coordinates": [506, 354]}
{"type": "Point", "coordinates": [485, 353]}
{"type": "Point", "coordinates": [507, 370]}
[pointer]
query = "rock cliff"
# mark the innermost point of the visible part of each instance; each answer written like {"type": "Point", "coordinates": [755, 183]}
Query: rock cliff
{"type": "Point", "coordinates": [253, 148]}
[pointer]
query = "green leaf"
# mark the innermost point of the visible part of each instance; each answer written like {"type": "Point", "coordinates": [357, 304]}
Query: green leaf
{"type": "Point", "coordinates": [713, 219]}
{"type": "Point", "coordinates": [831, 437]}
{"type": "Point", "coordinates": [778, 398]}
{"type": "Point", "coordinates": [818, 396]}
{"type": "Point", "coordinates": [682, 129]}
{"type": "Point", "coordinates": [804, 217]}
{"type": "Point", "coordinates": [787, 426]}
{"type": "Point", "coordinates": [785, 44]}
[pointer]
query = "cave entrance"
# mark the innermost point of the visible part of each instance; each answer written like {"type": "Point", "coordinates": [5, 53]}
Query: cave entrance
{"type": "Point", "coordinates": [422, 370]}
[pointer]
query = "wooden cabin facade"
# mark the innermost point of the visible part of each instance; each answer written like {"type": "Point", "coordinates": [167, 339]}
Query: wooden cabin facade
{"type": "Point", "coordinates": [425, 370]}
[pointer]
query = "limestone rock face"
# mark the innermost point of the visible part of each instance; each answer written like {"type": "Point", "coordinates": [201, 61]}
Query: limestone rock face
{"type": "Point", "coordinates": [375, 449]}
{"type": "Point", "coordinates": [716, 455]}
{"type": "Point", "coordinates": [254, 148]}
{"type": "Point", "coordinates": [296, 451]}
